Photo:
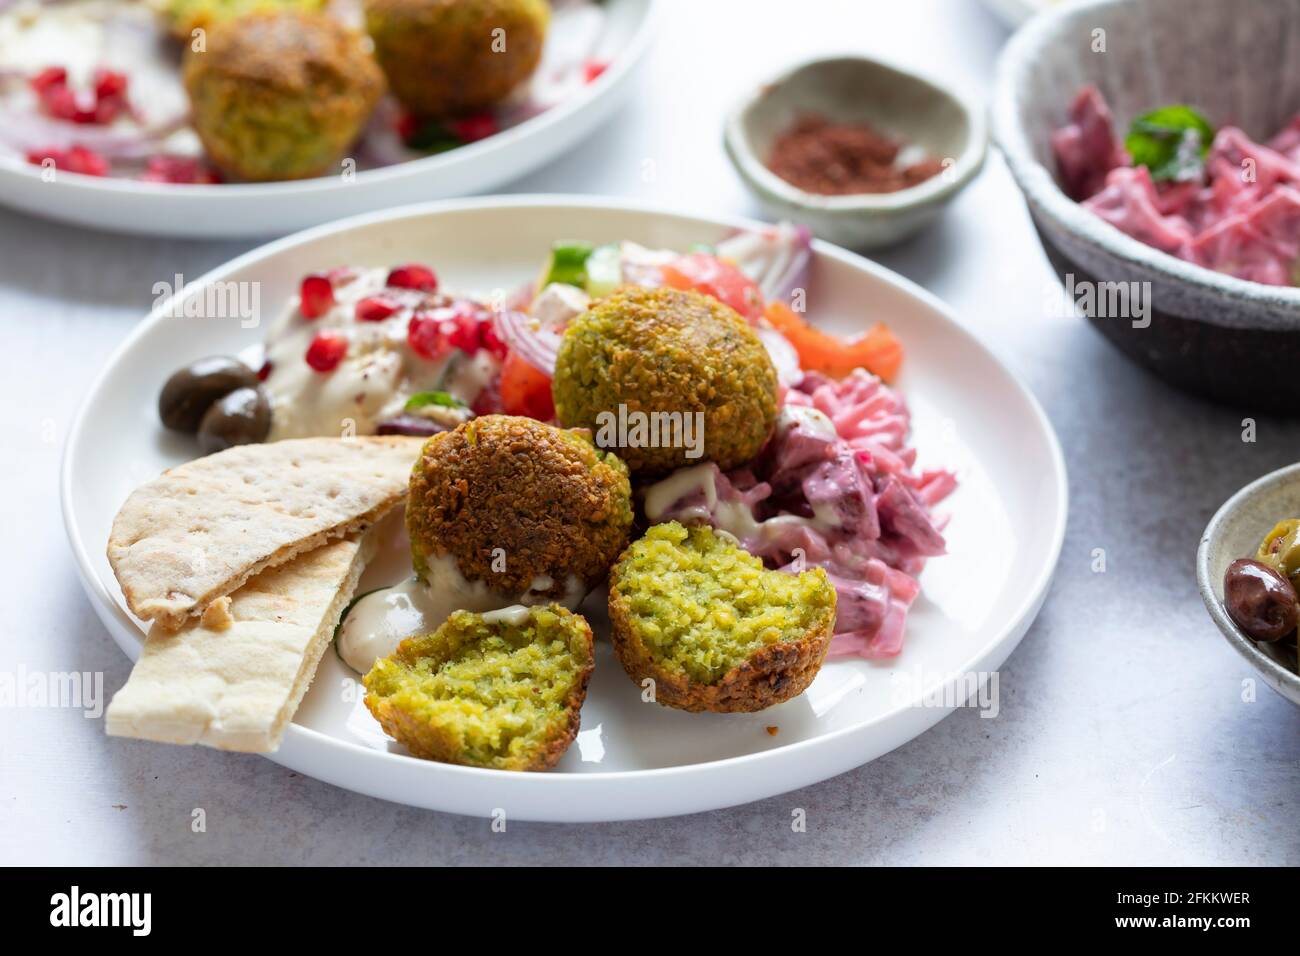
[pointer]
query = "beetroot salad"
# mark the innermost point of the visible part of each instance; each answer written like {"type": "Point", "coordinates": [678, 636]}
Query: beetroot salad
{"type": "Point", "coordinates": [1214, 198]}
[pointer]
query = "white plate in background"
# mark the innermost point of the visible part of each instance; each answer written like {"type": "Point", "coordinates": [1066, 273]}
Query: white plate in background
{"type": "Point", "coordinates": [631, 759]}
{"type": "Point", "coordinates": [267, 209]}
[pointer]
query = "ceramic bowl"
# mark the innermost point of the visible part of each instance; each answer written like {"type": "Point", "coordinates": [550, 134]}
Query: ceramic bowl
{"type": "Point", "coordinates": [1220, 337]}
{"type": "Point", "coordinates": [852, 89]}
{"type": "Point", "coordinates": [1235, 532]}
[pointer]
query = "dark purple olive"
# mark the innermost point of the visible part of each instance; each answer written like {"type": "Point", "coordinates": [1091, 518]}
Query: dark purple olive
{"type": "Point", "coordinates": [1260, 600]}
{"type": "Point", "coordinates": [243, 417]}
{"type": "Point", "coordinates": [190, 392]}
{"type": "Point", "coordinates": [416, 425]}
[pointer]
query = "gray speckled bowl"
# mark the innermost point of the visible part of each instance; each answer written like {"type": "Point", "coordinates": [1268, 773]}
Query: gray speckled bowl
{"type": "Point", "coordinates": [1225, 338]}
{"type": "Point", "coordinates": [1235, 532]}
{"type": "Point", "coordinates": [853, 89]}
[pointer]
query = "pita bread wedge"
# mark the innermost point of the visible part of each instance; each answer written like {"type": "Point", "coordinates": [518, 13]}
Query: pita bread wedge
{"type": "Point", "coordinates": [235, 685]}
{"type": "Point", "coordinates": [201, 529]}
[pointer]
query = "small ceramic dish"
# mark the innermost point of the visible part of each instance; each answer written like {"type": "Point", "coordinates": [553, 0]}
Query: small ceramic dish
{"type": "Point", "coordinates": [1212, 334]}
{"type": "Point", "coordinates": [852, 89]}
{"type": "Point", "coordinates": [1235, 532]}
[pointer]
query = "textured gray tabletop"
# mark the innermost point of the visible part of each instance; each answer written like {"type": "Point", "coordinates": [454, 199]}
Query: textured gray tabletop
{"type": "Point", "coordinates": [1128, 732]}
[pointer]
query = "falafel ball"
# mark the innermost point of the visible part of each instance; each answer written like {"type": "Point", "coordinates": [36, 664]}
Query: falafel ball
{"type": "Point", "coordinates": [522, 506]}
{"type": "Point", "coordinates": [715, 629]}
{"type": "Point", "coordinates": [185, 16]}
{"type": "Point", "coordinates": [281, 94]}
{"type": "Point", "coordinates": [448, 57]}
{"type": "Point", "coordinates": [668, 351]}
{"type": "Point", "coordinates": [502, 690]}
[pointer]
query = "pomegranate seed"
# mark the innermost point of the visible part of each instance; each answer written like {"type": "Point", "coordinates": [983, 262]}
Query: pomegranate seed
{"type": "Point", "coordinates": [413, 277]}
{"type": "Point", "coordinates": [424, 335]}
{"type": "Point", "coordinates": [488, 401]}
{"type": "Point", "coordinates": [264, 372]}
{"type": "Point", "coordinates": [470, 129]}
{"type": "Point", "coordinates": [76, 159]}
{"type": "Point", "coordinates": [62, 102]}
{"type": "Point", "coordinates": [464, 333]}
{"type": "Point", "coordinates": [109, 83]}
{"type": "Point", "coordinates": [490, 340]}
{"type": "Point", "coordinates": [177, 169]}
{"type": "Point", "coordinates": [326, 351]}
{"type": "Point", "coordinates": [376, 308]}
{"type": "Point", "coordinates": [48, 78]}
{"type": "Point", "coordinates": [592, 70]}
{"type": "Point", "coordinates": [406, 125]}
{"type": "Point", "coordinates": [315, 295]}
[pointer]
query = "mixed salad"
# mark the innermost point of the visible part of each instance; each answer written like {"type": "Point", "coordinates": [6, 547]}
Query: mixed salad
{"type": "Point", "coordinates": [389, 351]}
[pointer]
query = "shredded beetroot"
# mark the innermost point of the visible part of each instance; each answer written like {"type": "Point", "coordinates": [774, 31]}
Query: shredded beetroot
{"type": "Point", "coordinates": [866, 511]}
{"type": "Point", "coordinates": [1242, 218]}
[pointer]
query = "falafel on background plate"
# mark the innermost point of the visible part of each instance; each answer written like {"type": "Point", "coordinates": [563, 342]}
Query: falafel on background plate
{"type": "Point", "coordinates": [280, 94]}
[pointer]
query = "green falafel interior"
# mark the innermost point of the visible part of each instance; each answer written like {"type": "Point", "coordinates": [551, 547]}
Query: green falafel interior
{"type": "Point", "coordinates": [500, 690]}
{"type": "Point", "coordinates": [702, 605]}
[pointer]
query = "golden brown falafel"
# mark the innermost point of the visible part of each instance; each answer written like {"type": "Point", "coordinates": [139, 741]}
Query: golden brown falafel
{"type": "Point", "coordinates": [520, 505]}
{"type": "Point", "coordinates": [713, 628]}
{"type": "Point", "coordinates": [448, 57]}
{"type": "Point", "coordinates": [665, 351]}
{"type": "Point", "coordinates": [502, 690]}
{"type": "Point", "coordinates": [281, 94]}
{"type": "Point", "coordinates": [183, 17]}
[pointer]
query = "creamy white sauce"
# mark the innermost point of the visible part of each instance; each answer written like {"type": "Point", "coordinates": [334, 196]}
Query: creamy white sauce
{"type": "Point", "coordinates": [516, 615]}
{"type": "Point", "coordinates": [813, 419]}
{"type": "Point", "coordinates": [375, 379]}
{"type": "Point", "coordinates": [383, 619]}
{"type": "Point", "coordinates": [733, 517]}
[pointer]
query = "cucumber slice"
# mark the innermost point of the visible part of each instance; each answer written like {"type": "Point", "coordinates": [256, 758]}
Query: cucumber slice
{"type": "Point", "coordinates": [604, 270]}
{"type": "Point", "coordinates": [568, 264]}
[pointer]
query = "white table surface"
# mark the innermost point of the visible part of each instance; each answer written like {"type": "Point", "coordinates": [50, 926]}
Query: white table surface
{"type": "Point", "coordinates": [1123, 735]}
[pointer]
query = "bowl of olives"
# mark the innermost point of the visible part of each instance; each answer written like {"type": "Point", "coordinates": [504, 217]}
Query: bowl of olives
{"type": "Point", "coordinates": [1248, 573]}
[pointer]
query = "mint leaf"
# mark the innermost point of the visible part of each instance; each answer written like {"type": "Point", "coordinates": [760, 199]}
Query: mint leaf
{"type": "Point", "coordinates": [1172, 142]}
{"type": "Point", "coordinates": [420, 399]}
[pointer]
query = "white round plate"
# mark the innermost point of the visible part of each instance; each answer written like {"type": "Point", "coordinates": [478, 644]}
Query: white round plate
{"type": "Point", "coordinates": [266, 209]}
{"type": "Point", "coordinates": [633, 759]}
{"type": "Point", "coordinates": [1015, 12]}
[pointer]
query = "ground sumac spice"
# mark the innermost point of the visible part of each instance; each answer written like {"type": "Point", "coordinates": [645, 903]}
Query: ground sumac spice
{"type": "Point", "coordinates": [839, 159]}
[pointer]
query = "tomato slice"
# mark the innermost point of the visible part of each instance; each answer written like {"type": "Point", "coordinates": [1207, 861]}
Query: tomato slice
{"type": "Point", "coordinates": [525, 390]}
{"type": "Point", "coordinates": [716, 277]}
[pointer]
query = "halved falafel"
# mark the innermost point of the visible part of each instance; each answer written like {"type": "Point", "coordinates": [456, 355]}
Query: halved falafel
{"type": "Point", "coordinates": [714, 628]}
{"type": "Point", "coordinates": [665, 352]}
{"type": "Point", "coordinates": [501, 690]}
{"type": "Point", "coordinates": [520, 505]}
{"type": "Point", "coordinates": [448, 57]}
{"type": "Point", "coordinates": [280, 94]}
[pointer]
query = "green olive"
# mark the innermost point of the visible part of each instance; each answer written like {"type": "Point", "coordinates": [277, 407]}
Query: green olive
{"type": "Point", "coordinates": [1280, 548]}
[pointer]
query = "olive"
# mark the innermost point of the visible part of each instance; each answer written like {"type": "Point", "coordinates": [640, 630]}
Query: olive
{"type": "Point", "coordinates": [243, 417]}
{"type": "Point", "coordinates": [416, 425]}
{"type": "Point", "coordinates": [190, 392]}
{"type": "Point", "coordinates": [1259, 599]}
